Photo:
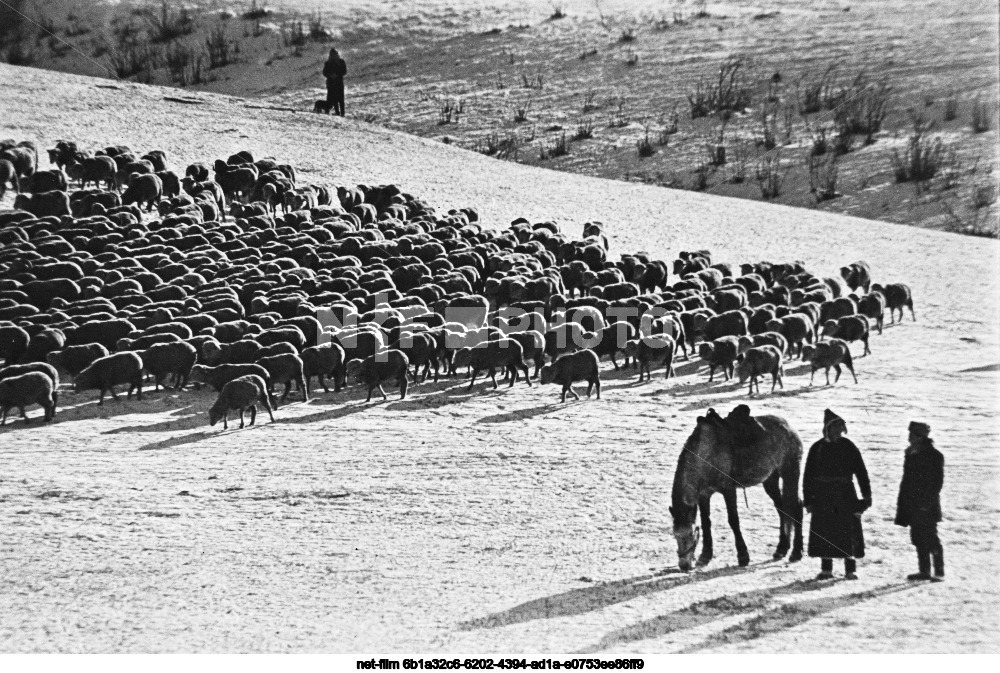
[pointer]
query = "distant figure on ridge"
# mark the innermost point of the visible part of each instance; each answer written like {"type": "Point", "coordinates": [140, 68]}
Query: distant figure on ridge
{"type": "Point", "coordinates": [334, 71]}
{"type": "Point", "coordinates": [919, 503]}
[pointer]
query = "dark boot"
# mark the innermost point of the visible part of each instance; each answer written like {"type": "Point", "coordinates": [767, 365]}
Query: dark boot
{"type": "Point", "coordinates": [924, 564]}
{"type": "Point", "coordinates": [938, 566]}
{"type": "Point", "coordinates": [826, 569]}
{"type": "Point", "coordinates": [850, 569]}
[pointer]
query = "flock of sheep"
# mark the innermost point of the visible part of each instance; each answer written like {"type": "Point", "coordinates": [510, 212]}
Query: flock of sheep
{"type": "Point", "coordinates": [239, 277]}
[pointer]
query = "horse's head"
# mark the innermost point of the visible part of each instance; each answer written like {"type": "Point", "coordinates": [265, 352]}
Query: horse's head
{"type": "Point", "coordinates": [686, 533]}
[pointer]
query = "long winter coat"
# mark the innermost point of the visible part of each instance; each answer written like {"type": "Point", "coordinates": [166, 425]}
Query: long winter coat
{"type": "Point", "coordinates": [828, 488]}
{"type": "Point", "coordinates": [919, 500]}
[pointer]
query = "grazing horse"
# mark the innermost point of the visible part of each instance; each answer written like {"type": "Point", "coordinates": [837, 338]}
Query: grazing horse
{"type": "Point", "coordinates": [712, 462]}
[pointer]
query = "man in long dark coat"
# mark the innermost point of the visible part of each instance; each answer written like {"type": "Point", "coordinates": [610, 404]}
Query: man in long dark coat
{"type": "Point", "coordinates": [828, 494]}
{"type": "Point", "coordinates": [919, 503]}
{"type": "Point", "coordinates": [334, 70]}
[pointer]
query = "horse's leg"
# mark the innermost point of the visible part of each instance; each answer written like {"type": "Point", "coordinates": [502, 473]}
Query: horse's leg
{"type": "Point", "coordinates": [792, 505]}
{"type": "Point", "coordinates": [706, 530]}
{"type": "Point", "coordinates": [774, 492]}
{"type": "Point", "coordinates": [742, 555]}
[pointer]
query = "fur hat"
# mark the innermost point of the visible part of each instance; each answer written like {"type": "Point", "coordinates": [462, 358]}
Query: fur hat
{"type": "Point", "coordinates": [920, 429]}
{"type": "Point", "coordinates": [829, 418]}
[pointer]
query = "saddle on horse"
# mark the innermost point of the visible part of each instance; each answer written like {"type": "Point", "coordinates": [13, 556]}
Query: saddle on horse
{"type": "Point", "coordinates": [744, 428]}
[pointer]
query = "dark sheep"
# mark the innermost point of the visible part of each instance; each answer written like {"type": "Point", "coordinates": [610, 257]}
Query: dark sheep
{"type": "Point", "coordinates": [144, 342]}
{"type": "Point", "coordinates": [237, 352]}
{"type": "Point", "coordinates": [323, 361]}
{"type": "Point", "coordinates": [533, 344]}
{"type": "Point", "coordinates": [74, 359]}
{"type": "Point", "coordinates": [240, 394]}
{"type": "Point", "coordinates": [857, 275]}
{"type": "Point", "coordinates": [13, 344]}
{"type": "Point", "coordinates": [143, 189]}
{"type": "Point", "coordinates": [8, 174]}
{"type": "Point", "coordinates": [43, 343]}
{"type": "Point", "coordinates": [175, 358]}
{"type": "Point", "coordinates": [375, 370]}
{"type": "Point", "coordinates": [26, 389]}
{"type": "Point", "coordinates": [763, 339]}
{"type": "Point", "coordinates": [583, 365]}
{"type": "Point", "coordinates": [730, 323]}
{"type": "Point", "coordinates": [421, 350]}
{"type": "Point", "coordinates": [838, 308]}
{"type": "Point", "coordinates": [650, 350]}
{"type": "Point", "coordinates": [107, 372]}
{"type": "Point", "coordinates": [105, 332]}
{"type": "Point", "coordinates": [285, 368]}
{"type": "Point", "coordinates": [502, 354]}
{"type": "Point", "coordinates": [721, 352]}
{"type": "Point", "coordinates": [289, 334]}
{"type": "Point", "coordinates": [872, 305]}
{"type": "Point", "coordinates": [612, 340]}
{"type": "Point", "coordinates": [44, 204]}
{"type": "Point", "coordinates": [851, 328]}
{"type": "Point", "coordinates": [220, 375]}
{"type": "Point", "coordinates": [758, 361]}
{"type": "Point", "coordinates": [897, 296]}
{"type": "Point", "coordinates": [44, 368]}
{"type": "Point", "coordinates": [796, 328]}
{"type": "Point", "coordinates": [826, 354]}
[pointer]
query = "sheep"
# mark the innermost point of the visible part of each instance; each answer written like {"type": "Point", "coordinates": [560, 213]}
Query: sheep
{"type": "Point", "coordinates": [144, 342]}
{"type": "Point", "coordinates": [857, 275]}
{"type": "Point", "coordinates": [374, 370]}
{"type": "Point", "coordinates": [851, 328]}
{"type": "Point", "coordinates": [44, 368]}
{"type": "Point", "coordinates": [43, 204]}
{"type": "Point", "coordinates": [897, 296]}
{"type": "Point", "coordinates": [175, 358]}
{"type": "Point", "coordinates": [651, 349]}
{"type": "Point", "coordinates": [242, 393]}
{"type": "Point", "coordinates": [496, 354]}
{"type": "Point", "coordinates": [421, 350]}
{"type": "Point", "coordinates": [826, 354]}
{"type": "Point", "coordinates": [583, 365]}
{"type": "Point", "coordinates": [285, 368]}
{"type": "Point", "coordinates": [731, 323]}
{"type": "Point", "coordinates": [533, 344]}
{"type": "Point", "coordinates": [322, 361]}
{"type": "Point", "coordinates": [107, 372]}
{"type": "Point", "coordinates": [758, 361]}
{"type": "Point", "coordinates": [721, 352]}
{"type": "Point", "coordinates": [29, 388]}
{"type": "Point", "coordinates": [872, 305]}
{"type": "Point", "coordinates": [8, 174]}
{"type": "Point", "coordinates": [795, 327]}
{"type": "Point", "coordinates": [220, 375]}
{"type": "Point", "coordinates": [74, 359]}
{"type": "Point", "coordinates": [13, 343]}
{"type": "Point", "coordinates": [146, 189]}
{"type": "Point", "coordinates": [763, 339]}
{"type": "Point", "coordinates": [43, 343]}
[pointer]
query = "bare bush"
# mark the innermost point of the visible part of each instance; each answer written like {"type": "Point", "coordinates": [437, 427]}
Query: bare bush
{"type": "Point", "coordinates": [559, 148]}
{"type": "Point", "coordinates": [951, 107]}
{"type": "Point", "coordinates": [729, 91]}
{"type": "Point", "coordinates": [256, 12]}
{"type": "Point", "coordinates": [619, 118]}
{"type": "Point", "coordinates": [628, 35]}
{"type": "Point", "coordinates": [20, 53]}
{"type": "Point", "coordinates": [450, 111]}
{"type": "Point", "coordinates": [981, 117]}
{"type": "Point", "coordinates": [169, 24]}
{"type": "Point", "coordinates": [317, 28]}
{"type": "Point", "coordinates": [521, 111]}
{"type": "Point", "coordinates": [865, 106]}
{"type": "Point", "coordinates": [631, 59]}
{"type": "Point", "coordinates": [221, 50]}
{"type": "Point", "coordinates": [769, 175]}
{"type": "Point", "coordinates": [823, 176]}
{"type": "Point", "coordinates": [819, 94]}
{"type": "Point", "coordinates": [923, 157]}
{"type": "Point", "coordinates": [739, 157]}
{"type": "Point", "coordinates": [701, 175]}
{"type": "Point", "coordinates": [584, 130]}
{"type": "Point", "coordinates": [557, 13]}
{"type": "Point", "coordinates": [644, 145]}
{"type": "Point", "coordinates": [588, 101]}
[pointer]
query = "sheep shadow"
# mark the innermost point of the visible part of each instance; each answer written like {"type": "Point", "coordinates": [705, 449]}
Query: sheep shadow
{"type": "Point", "coordinates": [330, 415]}
{"type": "Point", "coordinates": [188, 422]}
{"type": "Point", "coordinates": [180, 440]}
{"type": "Point", "coordinates": [769, 617]}
{"type": "Point", "coordinates": [597, 597]}
{"type": "Point", "coordinates": [697, 389]}
{"type": "Point", "coordinates": [525, 414]}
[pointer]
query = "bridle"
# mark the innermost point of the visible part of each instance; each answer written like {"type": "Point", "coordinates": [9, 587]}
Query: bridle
{"type": "Point", "coordinates": [696, 535]}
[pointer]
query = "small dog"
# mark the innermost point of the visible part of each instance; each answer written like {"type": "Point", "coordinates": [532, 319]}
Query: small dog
{"type": "Point", "coordinates": [322, 107]}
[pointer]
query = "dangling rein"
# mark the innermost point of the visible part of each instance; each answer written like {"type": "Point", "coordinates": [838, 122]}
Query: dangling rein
{"type": "Point", "coordinates": [694, 545]}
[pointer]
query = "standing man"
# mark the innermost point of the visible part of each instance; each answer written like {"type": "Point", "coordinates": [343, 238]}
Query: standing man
{"type": "Point", "coordinates": [919, 504]}
{"type": "Point", "coordinates": [334, 71]}
{"type": "Point", "coordinates": [828, 494]}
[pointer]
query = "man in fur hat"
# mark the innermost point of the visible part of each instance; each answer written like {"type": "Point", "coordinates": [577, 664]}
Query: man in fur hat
{"type": "Point", "coordinates": [828, 494]}
{"type": "Point", "coordinates": [919, 503]}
